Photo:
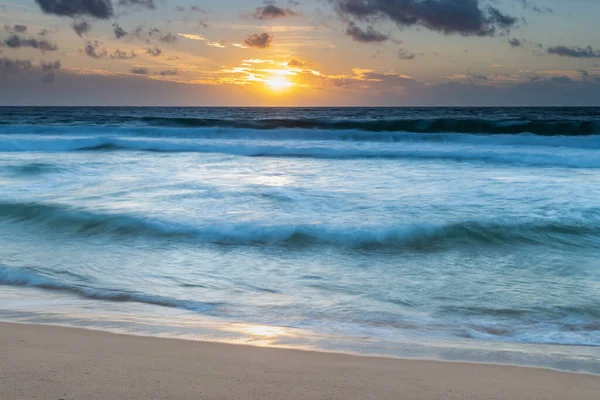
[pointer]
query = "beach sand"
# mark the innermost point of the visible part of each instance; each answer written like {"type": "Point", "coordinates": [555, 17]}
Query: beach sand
{"type": "Point", "coordinates": [51, 363]}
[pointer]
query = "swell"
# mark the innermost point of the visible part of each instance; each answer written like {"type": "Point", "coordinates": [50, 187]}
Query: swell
{"type": "Point", "coordinates": [27, 277]}
{"type": "Point", "coordinates": [20, 137]}
{"type": "Point", "coordinates": [526, 155]}
{"type": "Point", "coordinates": [573, 126]}
{"type": "Point", "coordinates": [411, 236]}
{"type": "Point", "coordinates": [32, 169]}
{"type": "Point", "coordinates": [454, 125]}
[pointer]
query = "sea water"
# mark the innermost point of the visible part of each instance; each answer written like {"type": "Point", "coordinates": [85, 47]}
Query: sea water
{"type": "Point", "coordinates": [469, 233]}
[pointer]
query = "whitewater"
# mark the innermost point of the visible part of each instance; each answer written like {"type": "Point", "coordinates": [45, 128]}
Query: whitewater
{"type": "Point", "coordinates": [469, 233]}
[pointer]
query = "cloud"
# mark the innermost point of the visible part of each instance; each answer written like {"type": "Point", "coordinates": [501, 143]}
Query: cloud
{"type": "Point", "coordinates": [169, 72]}
{"type": "Point", "coordinates": [463, 17]}
{"type": "Point", "coordinates": [220, 44]}
{"type": "Point", "coordinates": [562, 80]}
{"type": "Point", "coordinates": [140, 3]}
{"type": "Point", "coordinates": [16, 41]}
{"type": "Point", "coordinates": [122, 55]}
{"type": "Point", "coordinates": [575, 52]}
{"type": "Point", "coordinates": [154, 51]}
{"type": "Point", "coordinates": [17, 67]}
{"type": "Point", "coordinates": [50, 66]}
{"type": "Point", "coordinates": [81, 27]}
{"type": "Point", "coordinates": [527, 4]}
{"type": "Point", "coordinates": [17, 28]}
{"type": "Point", "coordinates": [404, 54]}
{"type": "Point", "coordinates": [101, 9]}
{"type": "Point", "coordinates": [295, 63]}
{"type": "Point", "coordinates": [514, 42]}
{"type": "Point", "coordinates": [168, 38]}
{"type": "Point", "coordinates": [259, 40]}
{"type": "Point", "coordinates": [118, 31]}
{"type": "Point", "coordinates": [370, 35]}
{"type": "Point", "coordinates": [139, 70]}
{"type": "Point", "coordinates": [389, 80]}
{"type": "Point", "coordinates": [271, 11]}
{"type": "Point", "coordinates": [92, 49]}
{"type": "Point", "coordinates": [11, 66]}
{"type": "Point", "coordinates": [191, 36]}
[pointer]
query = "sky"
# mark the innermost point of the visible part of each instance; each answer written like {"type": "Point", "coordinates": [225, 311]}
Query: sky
{"type": "Point", "coordinates": [300, 53]}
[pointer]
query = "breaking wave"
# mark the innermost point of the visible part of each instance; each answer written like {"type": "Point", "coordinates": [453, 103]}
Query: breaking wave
{"type": "Point", "coordinates": [420, 236]}
{"type": "Point", "coordinates": [27, 277]}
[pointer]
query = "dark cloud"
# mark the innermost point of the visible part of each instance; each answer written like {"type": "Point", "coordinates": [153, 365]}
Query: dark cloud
{"type": "Point", "coordinates": [575, 52]}
{"type": "Point", "coordinates": [169, 72]}
{"type": "Point", "coordinates": [139, 70]}
{"type": "Point", "coordinates": [562, 80]}
{"type": "Point", "coordinates": [479, 77]}
{"type": "Point", "coordinates": [92, 49]}
{"type": "Point", "coordinates": [370, 35]}
{"type": "Point", "coordinates": [168, 38]}
{"type": "Point", "coordinates": [295, 63]}
{"type": "Point", "coordinates": [138, 32]}
{"type": "Point", "coordinates": [514, 42]}
{"type": "Point", "coordinates": [271, 11]}
{"type": "Point", "coordinates": [259, 40]}
{"type": "Point", "coordinates": [16, 41]}
{"type": "Point", "coordinates": [11, 66]}
{"type": "Point", "coordinates": [101, 9]}
{"type": "Point", "coordinates": [50, 66]}
{"type": "Point", "coordinates": [404, 54]}
{"type": "Point", "coordinates": [527, 4]}
{"type": "Point", "coordinates": [153, 31]}
{"type": "Point", "coordinates": [15, 29]}
{"type": "Point", "coordinates": [26, 70]}
{"type": "Point", "coordinates": [122, 55]}
{"type": "Point", "coordinates": [20, 28]}
{"type": "Point", "coordinates": [154, 51]}
{"type": "Point", "coordinates": [119, 32]}
{"type": "Point", "coordinates": [139, 3]}
{"type": "Point", "coordinates": [81, 27]}
{"type": "Point", "coordinates": [464, 17]}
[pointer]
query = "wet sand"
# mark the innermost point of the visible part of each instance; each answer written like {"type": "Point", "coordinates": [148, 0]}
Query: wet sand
{"type": "Point", "coordinates": [51, 363]}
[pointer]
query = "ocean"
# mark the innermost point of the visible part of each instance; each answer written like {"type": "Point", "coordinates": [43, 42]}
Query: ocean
{"type": "Point", "coordinates": [449, 233]}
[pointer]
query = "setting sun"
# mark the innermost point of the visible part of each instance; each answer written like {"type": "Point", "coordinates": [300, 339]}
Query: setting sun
{"type": "Point", "coordinates": [279, 83]}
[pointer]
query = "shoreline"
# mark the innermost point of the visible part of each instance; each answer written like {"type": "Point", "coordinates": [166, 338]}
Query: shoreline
{"type": "Point", "coordinates": [63, 362]}
{"type": "Point", "coordinates": [267, 343]}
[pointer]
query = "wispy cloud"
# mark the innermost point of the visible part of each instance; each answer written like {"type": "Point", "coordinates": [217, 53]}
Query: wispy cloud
{"type": "Point", "coordinates": [191, 36]}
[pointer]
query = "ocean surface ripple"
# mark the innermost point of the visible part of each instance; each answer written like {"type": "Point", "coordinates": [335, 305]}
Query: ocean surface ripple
{"type": "Point", "coordinates": [470, 225]}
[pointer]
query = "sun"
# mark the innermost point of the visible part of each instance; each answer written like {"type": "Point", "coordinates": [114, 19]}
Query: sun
{"type": "Point", "coordinates": [278, 83]}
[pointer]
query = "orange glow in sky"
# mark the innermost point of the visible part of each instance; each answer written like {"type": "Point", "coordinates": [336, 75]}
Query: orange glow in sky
{"type": "Point", "coordinates": [278, 83]}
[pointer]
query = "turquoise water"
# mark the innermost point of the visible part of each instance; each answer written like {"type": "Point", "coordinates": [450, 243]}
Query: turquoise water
{"type": "Point", "coordinates": [359, 238]}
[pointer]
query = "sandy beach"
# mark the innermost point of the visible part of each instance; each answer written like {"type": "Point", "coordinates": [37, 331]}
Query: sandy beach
{"type": "Point", "coordinates": [46, 362]}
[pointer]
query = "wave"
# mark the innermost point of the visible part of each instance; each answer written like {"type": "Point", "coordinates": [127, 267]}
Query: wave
{"type": "Point", "coordinates": [412, 236]}
{"type": "Point", "coordinates": [507, 155]}
{"type": "Point", "coordinates": [32, 169]}
{"type": "Point", "coordinates": [27, 277]}
{"type": "Point", "coordinates": [455, 125]}
{"type": "Point", "coordinates": [568, 125]}
{"type": "Point", "coordinates": [14, 135]}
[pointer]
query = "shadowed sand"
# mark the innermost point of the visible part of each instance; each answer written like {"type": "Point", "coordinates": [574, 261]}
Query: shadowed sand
{"type": "Point", "coordinates": [45, 362]}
